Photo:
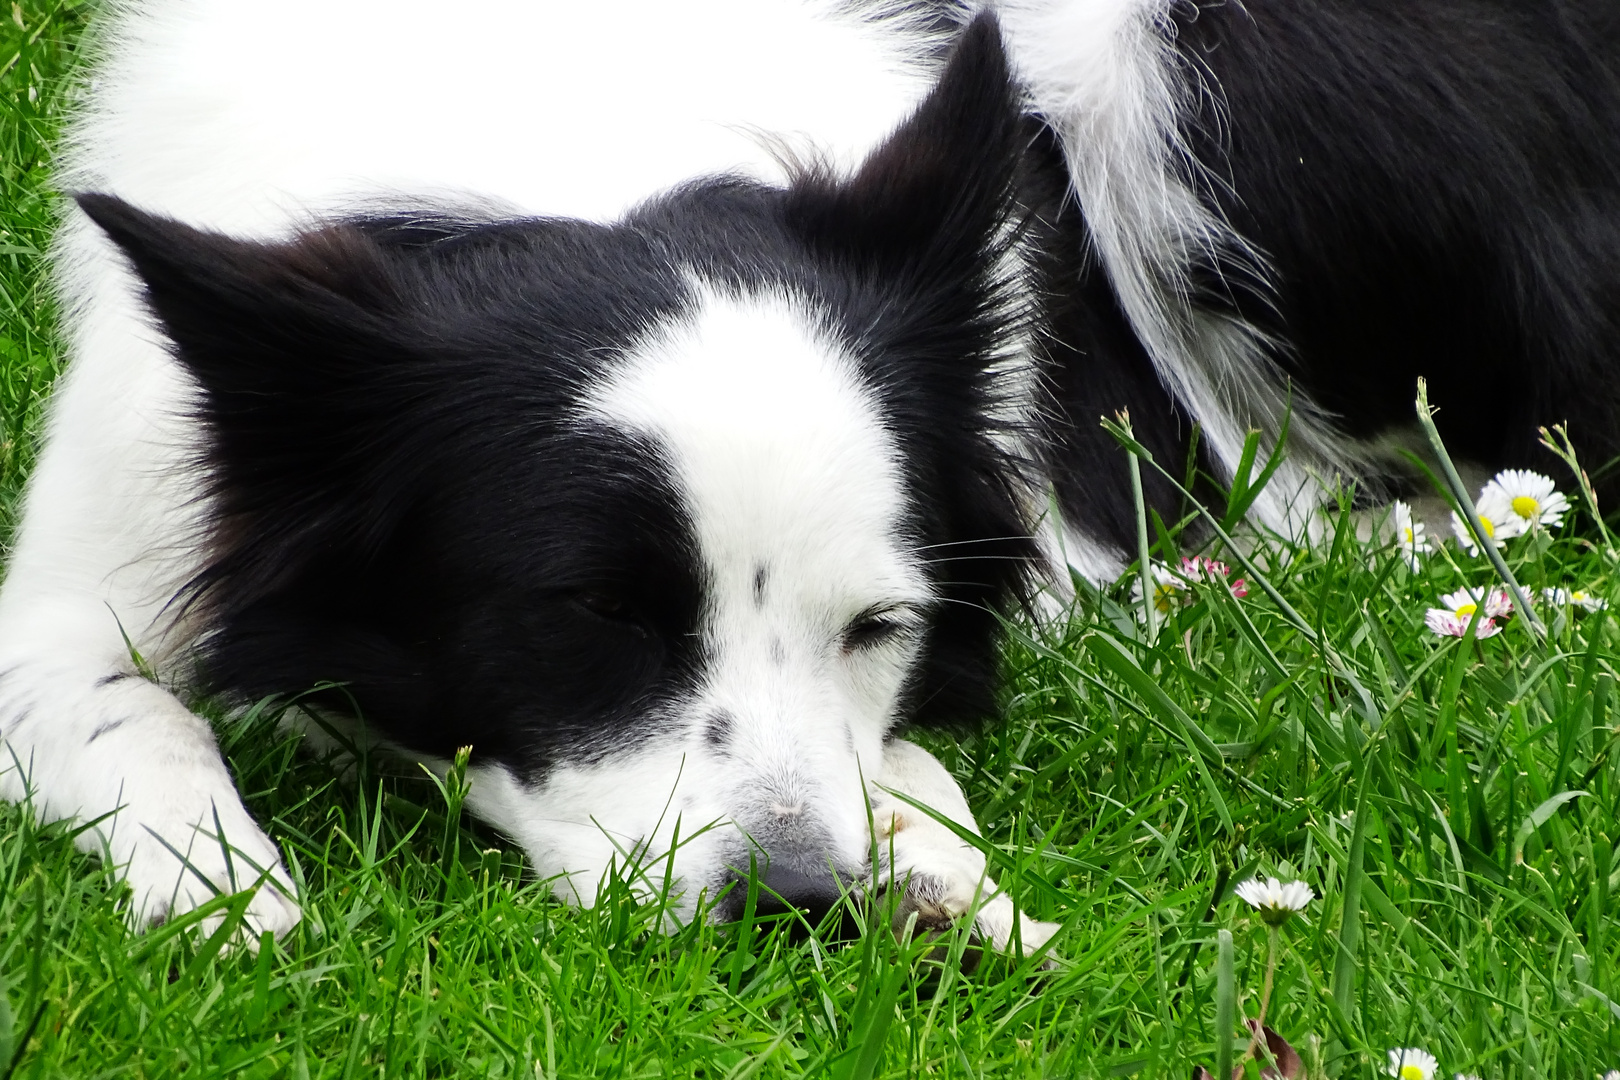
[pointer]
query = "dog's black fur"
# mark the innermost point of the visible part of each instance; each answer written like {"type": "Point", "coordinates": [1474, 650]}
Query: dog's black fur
{"type": "Point", "coordinates": [1436, 188]}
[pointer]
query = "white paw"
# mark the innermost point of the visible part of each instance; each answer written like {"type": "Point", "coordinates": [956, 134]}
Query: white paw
{"type": "Point", "coordinates": [180, 835]}
{"type": "Point", "coordinates": [176, 861]}
{"type": "Point", "coordinates": [946, 878]}
{"type": "Point", "coordinates": [1009, 930]}
{"type": "Point", "coordinates": [122, 755]}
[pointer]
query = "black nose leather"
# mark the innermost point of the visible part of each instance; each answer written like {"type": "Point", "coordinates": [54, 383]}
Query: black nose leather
{"type": "Point", "coordinates": [782, 889]}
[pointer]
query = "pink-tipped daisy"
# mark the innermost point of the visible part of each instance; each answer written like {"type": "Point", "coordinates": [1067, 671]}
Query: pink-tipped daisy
{"type": "Point", "coordinates": [1203, 568]}
{"type": "Point", "coordinates": [1446, 624]}
{"type": "Point", "coordinates": [1496, 602]}
{"type": "Point", "coordinates": [1531, 498]}
{"type": "Point", "coordinates": [1453, 619]}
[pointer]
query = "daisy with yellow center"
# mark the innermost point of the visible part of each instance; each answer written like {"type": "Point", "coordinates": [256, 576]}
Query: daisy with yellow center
{"type": "Point", "coordinates": [1410, 1063]}
{"type": "Point", "coordinates": [1409, 538]}
{"type": "Point", "coordinates": [1274, 900]}
{"type": "Point", "coordinates": [1464, 602]}
{"type": "Point", "coordinates": [1453, 618]}
{"type": "Point", "coordinates": [1578, 598]}
{"type": "Point", "coordinates": [1532, 498]}
{"type": "Point", "coordinates": [1169, 590]}
{"type": "Point", "coordinates": [1497, 519]}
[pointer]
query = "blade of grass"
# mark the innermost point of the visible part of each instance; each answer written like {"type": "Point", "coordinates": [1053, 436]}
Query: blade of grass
{"type": "Point", "coordinates": [1110, 655]}
{"type": "Point", "coordinates": [1225, 1003]}
{"type": "Point", "coordinates": [1144, 565]}
{"type": "Point", "coordinates": [1345, 960]}
{"type": "Point", "coordinates": [1486, 542]}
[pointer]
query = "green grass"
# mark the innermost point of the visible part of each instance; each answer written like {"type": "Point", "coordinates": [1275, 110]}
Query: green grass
{"type": "Point", "coordinates": [36, 50]}
{"type": "Point", "coordinates": [1463, 907]}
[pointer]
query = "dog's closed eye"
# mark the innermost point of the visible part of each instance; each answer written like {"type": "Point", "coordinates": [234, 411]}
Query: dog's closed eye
{"type": "Point", "coordinates": [875, 627]}
{"type": "Point", "coordinates": [610, 607]}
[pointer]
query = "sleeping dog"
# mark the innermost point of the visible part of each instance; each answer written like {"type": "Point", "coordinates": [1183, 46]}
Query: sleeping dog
{"type": "Point", "coordinates": [671, 401]}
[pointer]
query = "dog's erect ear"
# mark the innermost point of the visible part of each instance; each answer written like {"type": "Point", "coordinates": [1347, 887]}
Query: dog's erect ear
{"type": "Point", "coordinates": [935, 195]}
{"type": "Point", "coordinates": [298, 350]}
{"type": "Point", "coordinates": [251, 317]}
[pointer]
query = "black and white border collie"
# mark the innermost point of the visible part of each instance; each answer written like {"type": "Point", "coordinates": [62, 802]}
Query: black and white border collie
{"type": "Point", "coordinates": [669, 401]}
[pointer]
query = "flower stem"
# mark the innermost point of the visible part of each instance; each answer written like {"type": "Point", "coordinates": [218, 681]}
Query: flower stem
{"type": "Point", "coordinates": [1273, 947]}
{"type": "Point", "coordinates": [1487, 543]}
{"type": "Point", "coordinates": [1150, 590]}
{"type": "Point", "coordinates": [1566, 453]}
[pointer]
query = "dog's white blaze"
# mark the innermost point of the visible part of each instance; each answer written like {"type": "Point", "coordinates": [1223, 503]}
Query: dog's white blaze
{"type": "Point", "coordinates": [1107, 73]}
{"type": "Point", "coordinates": [794, 489]}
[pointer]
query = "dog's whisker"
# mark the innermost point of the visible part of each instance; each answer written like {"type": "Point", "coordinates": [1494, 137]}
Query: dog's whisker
{"type": "Point", "coordinates": [1022, 538]}
{"type": "Point", "coordinates": [977, 558]}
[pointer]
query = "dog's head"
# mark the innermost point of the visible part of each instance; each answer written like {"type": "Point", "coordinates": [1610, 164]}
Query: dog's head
{"type": "Point", "coordinates": [672, 520]}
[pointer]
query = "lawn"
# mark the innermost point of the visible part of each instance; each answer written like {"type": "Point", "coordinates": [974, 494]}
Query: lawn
{"type": "Point", "coordinates": [1453, 803]}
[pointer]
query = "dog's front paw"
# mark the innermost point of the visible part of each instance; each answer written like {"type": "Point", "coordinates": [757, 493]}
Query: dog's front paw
{"type": "Point", "coordinates": [944, 878]}
{"type": "Point", "coordinates": [174, 861]}
{"type": "Point", "coordinates": [122, 755]}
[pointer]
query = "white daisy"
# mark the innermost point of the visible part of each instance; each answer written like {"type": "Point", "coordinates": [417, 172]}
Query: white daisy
{"type": "Point", "coordinates": [1170, 590]}
{"type": "Point", "coordinates": [1409, 538]}
{"type": "Point", "coordinates": [1410, 1063]}
{"type": "Point", "coordinates": [1453, 619]}
{"type": "Point", "coordinates": [1466, 1076]}
{"type": "Point", "coordinates": [1275, 901]}
{"type": "Point", "coordinates": [1530, 497]}
{"type": "Point", "coordinates": [1496, 517]}
{"type": "Point", "coordinates": [1612, 1074]}
{"type": "Point", "coordinates": [1579, 598]}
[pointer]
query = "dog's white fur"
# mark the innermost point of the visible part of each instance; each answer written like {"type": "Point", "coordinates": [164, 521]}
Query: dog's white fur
{"type": "Point", "coordinates": [238, 117]}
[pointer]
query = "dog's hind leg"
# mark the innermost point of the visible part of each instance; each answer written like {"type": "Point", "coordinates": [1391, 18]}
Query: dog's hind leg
{"type": "Point", "coordinates": [945, 877]}
{"type": "Point", "coordinates": [108, 535]}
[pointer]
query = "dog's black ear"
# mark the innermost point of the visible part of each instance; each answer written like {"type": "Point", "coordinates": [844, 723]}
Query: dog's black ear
{"type": "Point", "coordinates": [298, 349]}
{"type": "Point", "coordinates": [252, 317]}
{"type": "Point", "coordinates": [933, 198]}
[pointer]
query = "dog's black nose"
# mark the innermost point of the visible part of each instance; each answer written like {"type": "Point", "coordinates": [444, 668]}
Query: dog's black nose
{"type": "Point", "coordinates": [782, 890]}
